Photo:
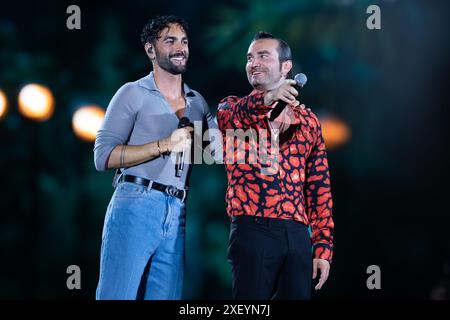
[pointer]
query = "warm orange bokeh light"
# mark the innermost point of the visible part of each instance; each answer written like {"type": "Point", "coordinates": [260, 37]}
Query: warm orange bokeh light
{"type": "Point", "coordinates": [3, 105]}
{"type": "Point", "coordinates": [36, 102]}
{"type": "Point", "coordinates": [335, 132]}
{"type": "Point", "coordinates": [86, 121]}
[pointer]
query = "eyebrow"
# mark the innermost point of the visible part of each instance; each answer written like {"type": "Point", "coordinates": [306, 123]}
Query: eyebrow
{"type": "Point", "coordinates": [173, 38]}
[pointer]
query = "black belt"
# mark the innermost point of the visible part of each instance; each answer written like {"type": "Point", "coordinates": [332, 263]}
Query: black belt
{"type": "Point", "coordinates": [170, 190]}
{"type": "Point", "coordinates": [264, 220]}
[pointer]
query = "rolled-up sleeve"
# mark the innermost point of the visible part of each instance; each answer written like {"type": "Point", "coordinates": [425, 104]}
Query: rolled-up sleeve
{"type": "Point", "coordinates": [117, 124]}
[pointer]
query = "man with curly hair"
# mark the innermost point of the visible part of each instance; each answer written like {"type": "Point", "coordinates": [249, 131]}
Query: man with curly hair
{"type": "Point", "coordinates": [142, 253]}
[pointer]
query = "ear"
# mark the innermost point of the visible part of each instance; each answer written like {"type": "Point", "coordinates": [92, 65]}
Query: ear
{"type": "Point", "coordinates": [149, 50]}
{"type": "Point", "coordinates": [286, 66]}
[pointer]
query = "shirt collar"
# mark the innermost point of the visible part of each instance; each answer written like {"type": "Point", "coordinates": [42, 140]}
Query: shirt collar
{"type": "Point", "coordinates": [148, 82]}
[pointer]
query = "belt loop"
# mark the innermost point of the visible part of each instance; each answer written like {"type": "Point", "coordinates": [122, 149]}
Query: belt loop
{"type": "Point", "coordinates": [150, 185]}
{"type": "Point", "coordinates": [184, 196]}
{"type": "Point", "coordinates": [168, 190]}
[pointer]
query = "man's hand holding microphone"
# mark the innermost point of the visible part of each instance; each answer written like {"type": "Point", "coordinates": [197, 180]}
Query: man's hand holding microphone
{"type": "Point", "coordinates": [179, 140]}
{"type": "Point", "coordinates": [286, 92]}
{"type": "Point", "coordinates": [285, 95]}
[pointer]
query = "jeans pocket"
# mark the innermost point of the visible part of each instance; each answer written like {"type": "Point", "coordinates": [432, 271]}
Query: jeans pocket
{"type": "Point", "coordinates": [129, 190]}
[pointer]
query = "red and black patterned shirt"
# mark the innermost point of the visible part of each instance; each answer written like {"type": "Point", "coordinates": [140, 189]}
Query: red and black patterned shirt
{"type": "Point", "coordinates": [297, 188]}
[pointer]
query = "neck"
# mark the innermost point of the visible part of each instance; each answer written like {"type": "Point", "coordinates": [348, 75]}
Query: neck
{"type": "Point", "coordinates": [169, 84]}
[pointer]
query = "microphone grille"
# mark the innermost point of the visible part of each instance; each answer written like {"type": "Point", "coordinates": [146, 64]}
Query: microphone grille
{"type": "Point", "coordinates": [301, 79]}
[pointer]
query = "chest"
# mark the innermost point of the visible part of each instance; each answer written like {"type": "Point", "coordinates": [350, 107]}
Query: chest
{"type": "Point", "coordinates": [177, 105]}
{"type": "Point", "coordinates": [159, 117]}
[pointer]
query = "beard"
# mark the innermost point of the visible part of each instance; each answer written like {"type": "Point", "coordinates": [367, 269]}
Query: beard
{"type": "Point", "coordinates": [266, 81]}
{"type": "Point", "coordinates": [166, 63]}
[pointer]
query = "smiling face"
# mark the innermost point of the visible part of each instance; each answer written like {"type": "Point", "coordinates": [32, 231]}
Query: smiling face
{"type": "Point", "coordinates": [171, 49]}
{"type": "Point", "coordinates": [264, 70]}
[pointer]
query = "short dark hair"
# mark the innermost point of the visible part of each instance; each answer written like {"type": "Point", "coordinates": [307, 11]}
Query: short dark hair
{"type": "Point", "coordinates": [154, 26]}
{"type": "Point", "coordinates": [284, 51]}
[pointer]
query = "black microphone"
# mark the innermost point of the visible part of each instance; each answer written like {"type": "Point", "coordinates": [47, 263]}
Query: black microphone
{"type": "Point", "coordinates": [301, 81]}
{"type": "Point", "coordinates": [179, 163]}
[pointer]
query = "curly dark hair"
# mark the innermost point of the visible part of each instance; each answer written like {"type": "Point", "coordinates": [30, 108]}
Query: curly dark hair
{"type": "Point", "coordinates": [154, 26]}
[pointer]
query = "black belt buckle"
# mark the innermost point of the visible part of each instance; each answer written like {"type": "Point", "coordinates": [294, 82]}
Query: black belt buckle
{"type": "Point", "coordinates": [171, 191]}
{"type": "Point", "coordinates": [175, 192]}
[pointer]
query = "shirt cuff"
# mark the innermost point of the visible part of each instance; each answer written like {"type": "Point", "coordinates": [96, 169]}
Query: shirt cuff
{"type": "Point", "coordinates": [323, 251]}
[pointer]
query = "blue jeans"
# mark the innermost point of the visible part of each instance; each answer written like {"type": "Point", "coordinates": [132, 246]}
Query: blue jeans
{"type": "Point", "coordinates": [142, 254]}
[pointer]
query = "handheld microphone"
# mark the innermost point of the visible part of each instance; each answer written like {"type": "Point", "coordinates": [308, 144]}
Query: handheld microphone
{"type": "Point", "coordinates": [179, 163]}
{"type": "Point", "coordinates": [301, 79]}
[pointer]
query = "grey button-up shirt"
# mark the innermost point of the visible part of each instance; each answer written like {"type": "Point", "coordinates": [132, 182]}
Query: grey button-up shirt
{"type": "Point", "coordinates": [139, 114]}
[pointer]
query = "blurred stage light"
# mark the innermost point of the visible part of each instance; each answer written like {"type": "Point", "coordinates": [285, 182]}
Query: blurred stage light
{"type": "Point", "coordinates": [335, 132]}
{"type": "Point", "coordinates": [86, 121]}
{"type": "Point", "coordinates": [36, 102]}
{"type": "Point", "coordinates": [3, 105]}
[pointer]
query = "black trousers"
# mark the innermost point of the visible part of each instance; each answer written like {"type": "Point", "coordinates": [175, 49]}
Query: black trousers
{"type": "Point", "coordinates": [270, 259]}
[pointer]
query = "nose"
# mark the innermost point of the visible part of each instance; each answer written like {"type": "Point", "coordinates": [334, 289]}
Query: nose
{"type": "Point", "coordinates": [254, 64]}
{"type": "Point", "coordinates": [180, 46]}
